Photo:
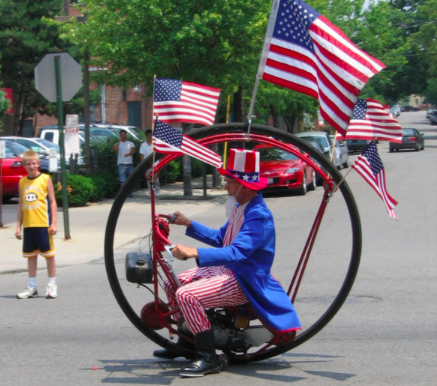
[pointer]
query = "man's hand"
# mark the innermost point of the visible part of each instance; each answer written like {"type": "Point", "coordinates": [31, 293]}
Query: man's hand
{"type": "Point", "coordinates": [180, 219]}
{"type": "Point", "coordinates": [182, 252]}
{"type": "Point", "coordinates": [18, 234]}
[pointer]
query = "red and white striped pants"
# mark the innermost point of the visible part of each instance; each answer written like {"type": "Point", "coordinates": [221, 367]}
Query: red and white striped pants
{"type": "Point", "coordinates": [206, 287]}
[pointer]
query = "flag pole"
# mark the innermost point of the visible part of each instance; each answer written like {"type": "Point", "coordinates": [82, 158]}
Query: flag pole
{"type": "Point", "coordinates": [263, 60]}
{"type": "Point", "coordinates": [152, 183]}
{"type": "Point", "coordinates": [342, 180]}
{"type": "Point", "coordinates": [225, 151]}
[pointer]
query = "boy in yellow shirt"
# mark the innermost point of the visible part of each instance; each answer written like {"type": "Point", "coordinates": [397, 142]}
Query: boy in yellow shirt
{"type": "Point", "coordinates": [37, 215]}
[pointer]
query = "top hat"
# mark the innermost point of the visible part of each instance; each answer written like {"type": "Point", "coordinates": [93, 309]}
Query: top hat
{"type": "Point", "coordinates": [243, 165]}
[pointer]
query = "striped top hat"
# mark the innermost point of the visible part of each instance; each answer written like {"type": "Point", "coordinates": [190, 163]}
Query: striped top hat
{"type": "Point", "coordinates": [243, 166]}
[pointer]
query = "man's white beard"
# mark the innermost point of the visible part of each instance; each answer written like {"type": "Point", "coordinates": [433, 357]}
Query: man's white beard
{"type": "Point", "coordinates": [231, 204]}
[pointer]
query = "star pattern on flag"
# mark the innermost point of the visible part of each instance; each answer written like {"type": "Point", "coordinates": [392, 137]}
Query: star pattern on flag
{"type": "Point", "coordinates": [371, 153]}
{"type": "Point", "coordinates": [359, 111]}
{"type": "Point", "coordinates": [167, 89]}
{"type": "Point", "coordinates": [171, 137]}
{"type": "Point", "coordinates": [293, 24]}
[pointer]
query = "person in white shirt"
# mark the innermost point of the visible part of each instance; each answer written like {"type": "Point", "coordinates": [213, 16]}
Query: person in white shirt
{"type": "Point", "coordinates": [125, 150]}
{"type": "Point", "coordinates": [145, 151]}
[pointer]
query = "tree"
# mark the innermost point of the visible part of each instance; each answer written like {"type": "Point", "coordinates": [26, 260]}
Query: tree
{"type": "Point", "coordinates": [390, 29]}
{"type": "Point", "coordinates": [212, 43]}
{"type": "Point", "coordinates": [4, 103]}
{"type": "Point", "coordinates": [425, 43]}
{"type": "Point", "coordinates": [24, 40]}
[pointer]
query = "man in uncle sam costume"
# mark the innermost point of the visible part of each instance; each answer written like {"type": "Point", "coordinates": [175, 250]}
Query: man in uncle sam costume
{"type": "Point", "coordinates": [236, 270]}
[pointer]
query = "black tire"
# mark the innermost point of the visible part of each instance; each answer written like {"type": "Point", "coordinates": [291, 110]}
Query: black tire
{"type": "Point", "coordinates": [264, 133]}
{"type": "Point", "coordinates": [313, 185]}
{"type": "Point", "coordinates": [303, 189]}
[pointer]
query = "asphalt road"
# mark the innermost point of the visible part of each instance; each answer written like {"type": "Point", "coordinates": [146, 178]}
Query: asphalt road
{"type": "Point", "coordinates": [385, 333]}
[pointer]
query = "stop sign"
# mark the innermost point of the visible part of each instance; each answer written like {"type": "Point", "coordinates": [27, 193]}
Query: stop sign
{"type": "Point", "coordinates": [45, 79]}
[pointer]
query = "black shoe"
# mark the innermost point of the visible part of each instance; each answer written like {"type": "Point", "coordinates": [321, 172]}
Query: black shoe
{"type": "Point", "coordinates": [207, 361]}
{"type": "Point", "coordinates": [204, 366]}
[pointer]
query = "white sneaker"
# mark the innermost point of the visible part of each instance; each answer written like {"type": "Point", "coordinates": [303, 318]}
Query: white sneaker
{"type": "Point", "coordinates": [29, 292]}
{"type": "Point", "coordinates": [51, 291]}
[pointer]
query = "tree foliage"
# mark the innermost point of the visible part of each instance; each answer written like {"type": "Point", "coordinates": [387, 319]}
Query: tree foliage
{"type": "Point", "coordinates": [24, 40]}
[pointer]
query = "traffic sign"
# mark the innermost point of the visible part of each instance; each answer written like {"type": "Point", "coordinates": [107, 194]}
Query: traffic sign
{"type": "Point", "coordinates": [71, 77]}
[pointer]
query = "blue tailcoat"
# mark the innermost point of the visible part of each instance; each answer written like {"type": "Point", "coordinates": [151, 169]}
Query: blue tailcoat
{"type": "Point", "coordinates": [250, 257]}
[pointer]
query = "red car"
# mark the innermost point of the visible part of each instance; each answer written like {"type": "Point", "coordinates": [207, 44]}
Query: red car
{"type": "Point", "coordinates": [12, 172]}
{"type": "Point", "coordinates": [285, 171]}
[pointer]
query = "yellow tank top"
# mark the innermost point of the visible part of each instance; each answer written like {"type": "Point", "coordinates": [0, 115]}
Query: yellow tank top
{"type": "Point", "coordinates": [35, 201]}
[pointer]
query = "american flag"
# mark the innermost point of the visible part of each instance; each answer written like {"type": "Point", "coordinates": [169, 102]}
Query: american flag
{"type": "Point", "coordinates": [305, 52]}
{"type": "Point", "coordinates": [370, 120]}
{"type": "Point", "coordinates": [167, 139]}
{"type": "Point", "coordinates": [370, 167]}
{"type": "Point", "coordinates": [178, 101]}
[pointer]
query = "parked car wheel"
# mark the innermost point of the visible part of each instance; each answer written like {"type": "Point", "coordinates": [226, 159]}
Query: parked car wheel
{"type": "Point", "coordinates": [303, 189]}
{"type": "Point", "coordinates": [313, 183]}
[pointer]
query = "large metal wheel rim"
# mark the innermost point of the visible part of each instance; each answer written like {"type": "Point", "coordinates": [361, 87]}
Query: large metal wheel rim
{"type": "Point", "coordinates": [240, 128]}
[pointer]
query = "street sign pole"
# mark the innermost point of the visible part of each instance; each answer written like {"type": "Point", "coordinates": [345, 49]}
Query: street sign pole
{"type": "Point", "coordinates": [62, 146]}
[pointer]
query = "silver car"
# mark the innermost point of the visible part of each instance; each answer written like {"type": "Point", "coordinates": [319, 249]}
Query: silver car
{"type": "Point", "coordinates": [325, 141]}
{"type": "Point", "coordinates": [342, 151]}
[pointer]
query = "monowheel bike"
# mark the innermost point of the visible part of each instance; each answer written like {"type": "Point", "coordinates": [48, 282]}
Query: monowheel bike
{"type": "Point", "coordinates": [317, 260]}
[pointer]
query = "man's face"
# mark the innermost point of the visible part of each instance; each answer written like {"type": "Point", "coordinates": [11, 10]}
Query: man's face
{"type": "Point", "coordinates": [232, 186]}
{"type": "Point", "coordinates": [123, 136]}
{"type": "Point", "coordinates": [149, 137]}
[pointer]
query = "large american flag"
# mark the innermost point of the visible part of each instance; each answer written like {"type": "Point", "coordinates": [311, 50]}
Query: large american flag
{"type": "Point", "coordinates": [179, 101]}
{"type": "Point", "coordinates": [371, 120]}
{"type": "Point", "coordinates": [305, 52]}
{"type": "Point", "coordinates": [167, 139]}
{"type": "Point", "coordinates": [369, 165]}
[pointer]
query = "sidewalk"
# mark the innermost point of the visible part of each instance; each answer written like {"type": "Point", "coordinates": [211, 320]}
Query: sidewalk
{"type": "Point", "coordinates": [88, 224]}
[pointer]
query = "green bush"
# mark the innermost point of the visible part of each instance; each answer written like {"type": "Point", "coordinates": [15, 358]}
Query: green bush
{"type": "Point", "coordinates": [106, 186]}
{"type": "Point", "coordinates": [80, 190]}
{"type": "Point", "coordinates": [171, 172]}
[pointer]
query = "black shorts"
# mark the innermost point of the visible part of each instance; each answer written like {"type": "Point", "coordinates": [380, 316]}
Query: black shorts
{"type": "Point", "coordinates": [37, 241]}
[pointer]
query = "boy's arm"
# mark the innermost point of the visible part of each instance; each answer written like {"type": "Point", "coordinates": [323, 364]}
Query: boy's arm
{"type": "Point", "coordinates": [53, 207]}
{"type": "Point", "coordinates": [19, 217]}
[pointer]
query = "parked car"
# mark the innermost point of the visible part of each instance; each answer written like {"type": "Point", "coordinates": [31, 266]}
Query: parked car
{"type": "Point", "coordinates": [323, 138]}
{"type": "Point", "coordinates": [18, 150]}
{"type": "Point", "coordinates": [316, 145]}
{"type": "Point", "coordinates": [12, 172]}
{"type": "Point", "coordinates": [342, 151]}
{"type": "Point", "coordinates": [433, 118]}
{"type": "Point", "coordinates": [409, 108]}
{"type": "Point", "coordinates": [285, 171]}
{"type": "Point", "coordinates": [132, 131]}
{"type": "Point", "coordinates": [355, 145]}
{"type": "Point", "coordinates": [429, 112]}
{"type": "Point", "coordinates": [411, 139]}
{"type": "Point", "coordinates": [51, 133]}
{"type": "Point", "coordinates": [40, 145]}
{"type": "Point", "coordinates": [395, 110]}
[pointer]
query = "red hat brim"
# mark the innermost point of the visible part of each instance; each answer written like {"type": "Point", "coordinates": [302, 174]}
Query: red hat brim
{"type": "Point", "coordinates": [261, 184]}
